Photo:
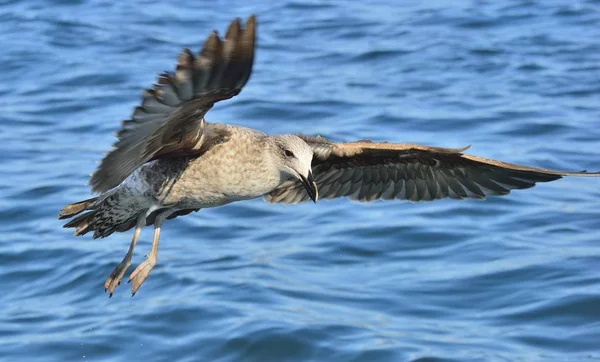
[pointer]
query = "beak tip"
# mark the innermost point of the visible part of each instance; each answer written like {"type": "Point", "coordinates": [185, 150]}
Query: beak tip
{"type": "Point", "coordinates": [311, 187]}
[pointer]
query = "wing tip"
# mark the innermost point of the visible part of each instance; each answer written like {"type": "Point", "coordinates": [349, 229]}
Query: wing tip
{"type": "Point", "coordinates": [582, 173]}
{"type": "Point", "coordinates": [461, 150]}
{"type": "Point", "coordinates": [251, 25]}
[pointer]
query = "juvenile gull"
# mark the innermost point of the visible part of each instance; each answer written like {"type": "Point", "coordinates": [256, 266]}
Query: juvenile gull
{"type": "Point", "coordinates": [169, 161]}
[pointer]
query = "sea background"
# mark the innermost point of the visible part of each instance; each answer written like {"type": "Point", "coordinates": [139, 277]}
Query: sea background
{"type": "Point", "coordinates": [508, 279]}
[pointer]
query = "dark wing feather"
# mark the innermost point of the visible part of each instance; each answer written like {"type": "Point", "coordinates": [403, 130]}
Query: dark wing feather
{"type": "Point", "coordinates": [368, 171]}
{"type": "Point", "coordinates": [170, 119]}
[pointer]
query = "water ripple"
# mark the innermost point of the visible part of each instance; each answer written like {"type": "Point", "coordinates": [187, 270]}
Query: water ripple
{"type": "Point", "coordinates": [508, 279]}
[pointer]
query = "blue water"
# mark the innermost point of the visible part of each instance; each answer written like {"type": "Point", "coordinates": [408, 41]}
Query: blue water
{"type": "Point", "coordinates": [509, 279]}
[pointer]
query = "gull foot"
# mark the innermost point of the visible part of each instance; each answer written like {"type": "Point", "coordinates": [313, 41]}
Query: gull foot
{"type": "Point", "coordinates": [140, 274]}
{"type": "Point", "coordinates": [114, 280]}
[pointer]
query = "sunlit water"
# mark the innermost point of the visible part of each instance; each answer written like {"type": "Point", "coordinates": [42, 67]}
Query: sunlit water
{"type": "Point", "coordinates": [509, 279]}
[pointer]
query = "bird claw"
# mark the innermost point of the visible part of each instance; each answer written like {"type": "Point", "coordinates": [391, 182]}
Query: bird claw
{"type": "Point", "coordinates": [140, 274]}
{"type": "Point", "coordinates": [114, 280]}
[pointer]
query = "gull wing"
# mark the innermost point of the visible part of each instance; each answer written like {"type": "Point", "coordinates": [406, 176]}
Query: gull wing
{"type": "Point", "coordinates": [170, 119]}
{"type": "Point", "coordinates": [368, 171]}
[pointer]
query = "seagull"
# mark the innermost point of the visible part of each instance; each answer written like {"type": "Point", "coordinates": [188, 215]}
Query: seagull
{"type": "Point", "coordinates": [169, 161]}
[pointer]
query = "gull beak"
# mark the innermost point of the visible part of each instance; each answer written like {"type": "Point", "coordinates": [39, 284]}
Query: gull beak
{"type": "Point", "coordinates": [311, 186]}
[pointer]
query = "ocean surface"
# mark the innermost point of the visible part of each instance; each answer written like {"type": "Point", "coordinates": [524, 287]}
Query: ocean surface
{"type": "Point", "coordinates": [515, 278]}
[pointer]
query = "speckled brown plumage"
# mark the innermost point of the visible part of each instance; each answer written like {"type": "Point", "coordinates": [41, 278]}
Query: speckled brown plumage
{"type": "Point", "coordinates": [169, 161]}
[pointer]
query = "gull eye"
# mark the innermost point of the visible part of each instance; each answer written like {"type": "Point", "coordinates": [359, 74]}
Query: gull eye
{"type": "Point", "coordinates": [288, 153]}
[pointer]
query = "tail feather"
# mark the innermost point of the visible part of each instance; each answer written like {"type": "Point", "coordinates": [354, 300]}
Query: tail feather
{"type": "Point", "coordinates": [103, 215]}
{"type": "Point", "coordinates": [74, 209]}
{"type": "Point", "coordinates": [110, 212]}
{"type": "Point", "coordinates": [83, 223]}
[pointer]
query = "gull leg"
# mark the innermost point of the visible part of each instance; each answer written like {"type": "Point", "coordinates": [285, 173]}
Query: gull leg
{"type": "Point", "coordinates": [140, 273]}
{"type": "Point", "coordinates": [114, 280]}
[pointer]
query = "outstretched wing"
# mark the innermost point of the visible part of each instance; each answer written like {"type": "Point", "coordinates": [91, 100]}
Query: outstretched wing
{"type": "Point", "coordinates": [368, 171]}
{"type": "Point", "coordinates": [170, 119]}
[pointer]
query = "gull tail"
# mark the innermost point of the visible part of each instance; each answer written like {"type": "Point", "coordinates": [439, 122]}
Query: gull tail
{"type": "Point", "coordinates": [76, 208]}
{"type": "Point", "coordinates": [103, 215]}
{"type": "Point", "coordinates": [84, 222]}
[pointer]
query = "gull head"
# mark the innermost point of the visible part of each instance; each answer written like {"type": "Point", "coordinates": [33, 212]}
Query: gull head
{"type": "Point", "coordinates": [294, 158]}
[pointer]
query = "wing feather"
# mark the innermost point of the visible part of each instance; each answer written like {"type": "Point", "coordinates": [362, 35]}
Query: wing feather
{"type": "Point", "coordinates": [170, 119]}
{"type": "Point", "coordinates": [367, 171]}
